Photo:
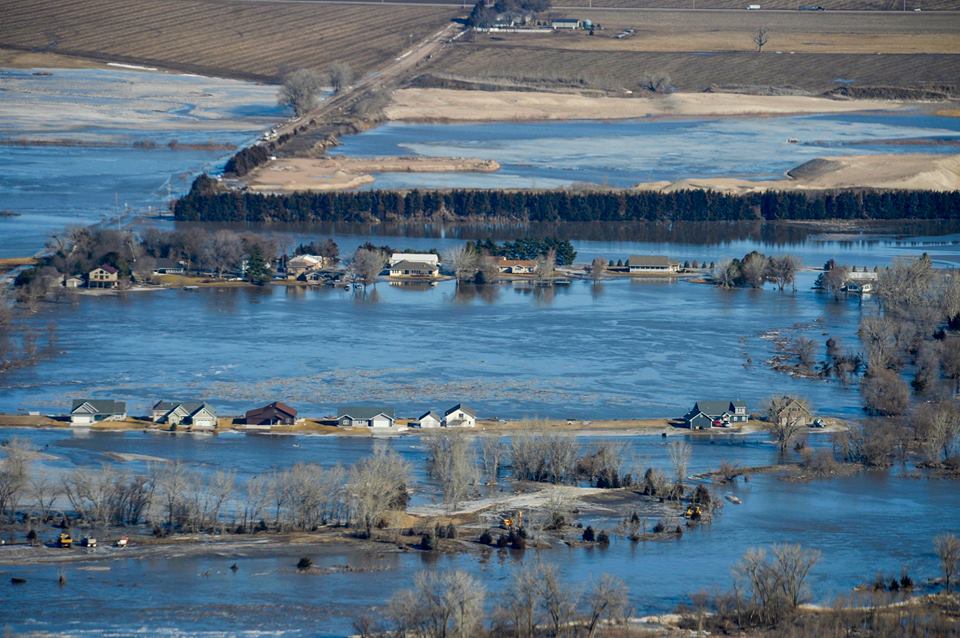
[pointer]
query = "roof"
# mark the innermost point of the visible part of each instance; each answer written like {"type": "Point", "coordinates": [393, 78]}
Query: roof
{"type": "Point", "coordinates": [430, 413]}
{"type": "Point", "coordinates": [164, 262]}
{"type": "Point", "coordinates": [530, 263]}
{"type": "Point", "coordinates": [306, 260]}
{"type": "Point", "coordinates": [716, 408]}
{"type": "Point", "coordinates": [190, 407]}
{"type": "Point", "coordinates": [99, 406]}
{"type": "Point", "coordinates": [648, 260]}
{"type": "Point", "coordinates": [461, 407]}
{"type": "Point", "coordinates": [107, 267]}
{"type": "Point", "coordinates": [570, 20]}
{"type": "Point", "coordinates": [428, 258]}
{"type": "Point", "coordinates": [413, 265]}
{"type": "Point", "coordinates": [276, 405]}
{"type": "Point", "coordinates": [364, 412]}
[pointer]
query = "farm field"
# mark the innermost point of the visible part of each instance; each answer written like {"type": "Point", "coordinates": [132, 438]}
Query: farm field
{"type": "Point", "coordinates": [250, 40]}
{"type": "Point", "coordinates": [783, 5]}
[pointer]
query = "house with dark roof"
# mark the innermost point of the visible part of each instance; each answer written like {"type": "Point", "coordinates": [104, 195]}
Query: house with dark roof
{"type": "Point", "coordinates": [651, 263]}
{"type": "Point", "coordinates": [90, 411]}
{"type": "Point", "coordinates": [275, 413]}
{"type": "Point", "coordinates": [366, 416]}
{"type": "Point", "coordinates": [705, 414]}
{"type": "Point", "coordinates": [194, 415]}
{"type": "Point", "coordinates": [166, 266]}
{"type": "Point", "coordinates": [428, 420]}
{"type": "Point", "coordinates": [517, 266]}
{"type": "Point", "coordinates": [103, 276]}
{"type": "Point", "coordinates": [459, 416]}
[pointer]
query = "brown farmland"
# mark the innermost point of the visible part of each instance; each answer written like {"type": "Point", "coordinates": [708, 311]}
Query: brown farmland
{"type": "Point", "coordinates": [256, 40]}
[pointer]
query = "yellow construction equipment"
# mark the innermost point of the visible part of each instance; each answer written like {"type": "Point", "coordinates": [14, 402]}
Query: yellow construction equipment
{"type": "Point", "coordinates": [694, 512]}
{"type": "Point", "coordinates": [64, 540]}
{"type": "Point", "coordinates": [513, 523]}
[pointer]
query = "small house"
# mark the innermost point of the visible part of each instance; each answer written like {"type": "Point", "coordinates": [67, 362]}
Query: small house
{"type": "Point", "coordinates": [517, 266]}
{"type": "Point", "coordinates": [90, 411]}
{"type": "Point", "coordinates": [704, 414]}
{"type": "Point", "coordinates": [73, 282]}
{"type": "Point", "coordinates": [275, 413]}
{"type": "Point", "coordinates": [651, 263]}
{"type": "Point", "coordinates": [166, 266]}
{"type": "Point", "coordinates": [459, 416]}
{"type": "Point", "coordinates": [428, 420]}
{"type": "Point", "coordinates": [568, 24]}
{"type": "Point", "coordinates": [195, 415]}
{"type": "Point", "coordinates": [303, 265]}
{"type": "Point", "coordinates": [366, 416]}
{"type": "Point", "coordinates": [789, 410]}
{"type": "Point", "coordinates": [425, 258]}
{"type": "Point", "coordinates": [414, 270]}
{"type": "Point", "coordinates": [104, 276]}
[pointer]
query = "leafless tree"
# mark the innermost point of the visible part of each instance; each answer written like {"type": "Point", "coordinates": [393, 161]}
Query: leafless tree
{"type": "Point", "coordinates": [559, 603]}
{"type": "Point", "coordinates": [760, 39]}
{"type": "Point", "coordinates": [442, 605]}
{"type": "Point", "coordinates": [376, 485]}
{"type": "Point", "coordinates": [754, 269]}
{"type": "Point", "coordinates": [300, 90]}
{"type": "Point", "coordinates": [14, 473]}
{"type": "Point", "coordinates": [44, 492]}
{"type": "Point", "coordinates": [172, 481]}
{"type": "Point", "coordinates": [783, 270]}
{"type": "Point", "coordinates": [725, 274]}
{"type": "Point", "coordinates": [938, 428]}
{"type": "Point", "coordinates": [606, 600]}
{"type": "Point", "coordinates": [947, 547]}
{"type": "Point", "coordinates": [547, 265]}
{"type": "Point", "coordinates": [834, 279]}
{"type": "Point", "coordinates": [597, 267]}
{"type": "Point", "coordinates": [680, 452]}
{"type": "Point", "coordinates": [549, 459]}
{"type": "Point", "coordinates": [884, 392]}
{"type": "Point", "coordinates": [451, 460]}
{"type": "Point", "coordinates": [805, 349]}
{"type": "Point", "coordinates": [367, 264]}
{"type": "Point", "coordinates": [787, 418]}
{"type": "Point", "coordinates": [340, 75]}
{"type": "Point", "coordinates": [778, 584]}
{"type": "Point", "coordinates": [463, 260]}
{"type": "Point", "coordinates": [490, 453]}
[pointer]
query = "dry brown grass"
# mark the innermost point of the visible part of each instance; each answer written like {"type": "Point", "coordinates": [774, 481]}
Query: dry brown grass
{"type": "Point", "coordinates": [259, 40]}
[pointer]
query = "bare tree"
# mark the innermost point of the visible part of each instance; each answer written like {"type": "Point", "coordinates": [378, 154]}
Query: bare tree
{"type": "Point", "coordinates": [451, 460]}
{"type": "Point", "coordinates": [938, 428]}
{"type": "Point", "coordinates": [777, 584]}
{"type": "Point", "coordinates": [490, 453]}
{"type": "Point", "coordinates": [597, 268]}
{"type": "Point", "coordinates": [680, 452]}
{"type": "Point", "coordinates": [550, 459]}
{"type": "Point", "coordinates": [884, 392]}
{"type": "Point", "coordinates": [300, 90]}
{"type": "Point", "coordinates": [786, 419]}
{"type": "Point", "coordinates": [441, 605]}
{"type": "Point", "coordinates": [367, 264]}
{"type": "Point", "coordinates": [754, 269]}
{"type": "Point", "coordinates": [726, 273]}
{"type": "Point", "coordinates": [14, 472]}
{"type": "Point", "coordinates": [44, 491]}
{"type": "Point", "coordinates": [376, 485]}
{"type": "Point", "coordinates": [834, 280]}
{"type": "Point", "coordinates": [760, 39]}
{"type": "Point", "coordinates": [783, 270]}
{"type": "Point", "coordinates": [607, 600]}
{"type": "Point", "coordinates": [340, 75]}
{"type": "Point", "coordinates": [559, 603]}
{"type": "Point", "coordinates": [463, 259]}
{"type": "Point", "coordinates": [947, 547]}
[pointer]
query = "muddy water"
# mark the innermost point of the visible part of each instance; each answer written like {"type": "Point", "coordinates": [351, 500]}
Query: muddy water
{"type": "Point", "coordinates": [863, 524]}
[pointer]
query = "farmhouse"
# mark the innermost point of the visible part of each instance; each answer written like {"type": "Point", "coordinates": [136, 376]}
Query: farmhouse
{"type": "Point", "coordinates": [104, 276]}
{"type": "Point", "coordinates": [89, 411]}
{"type": "Point", "coordinates": [571, 24]}
{"type": "Point", "coordinates": [789, 410]}
{"type": "Point", "coordinates": [303, 265]}
{"type": "Point", "coordinates": [651, 263]}
{"type": "Point", "coordinates": [427, 258]}
{"type": "Point", "coordinates": [705, 413]}
{"type": "Point", "coordinates": [366, 416]}
{"type": "Point", "coordinates": [196, 415]}
{"type": "Point", "coordinates": [275, 413]}
{"type": "Point", "coordinates": [428, 420]}
{"type": "Point", "coordinates": [517, 266]}
{"type": "Point", "coordinates": [72, 282]}
{"type": "Point", "coordinates": [414, 270]}
{"type": "Point", "coordinates": [459, 416]}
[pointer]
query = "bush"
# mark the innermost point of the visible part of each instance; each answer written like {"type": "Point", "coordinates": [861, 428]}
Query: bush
{"type": "Point", "coordinates": [702, 495]}
{"type": "Point", "coordinates": [428, 542]}
{"type": "Point", "coordinates": [659, 528]}
{"type": "Point", "coordinates": [518, 541]}
{"type": "Point", "coordinates": [32, 537]}
{"type": "Point", "coordinates": [451, 531]}
{"type": "Point", "coordinates": [603, 538]}
{"type": "Point", "coordinates": [588, 535]}
{"type": "Point", "coordinates": [502, 541]}
{"type": "Point", "coordinates": [304, 563]}
{"type": "Point", "coordinates": [486, 538]}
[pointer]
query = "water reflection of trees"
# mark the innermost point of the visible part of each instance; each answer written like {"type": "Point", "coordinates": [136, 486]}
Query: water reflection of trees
{"type": "Point", "coordinates": [467, 292]}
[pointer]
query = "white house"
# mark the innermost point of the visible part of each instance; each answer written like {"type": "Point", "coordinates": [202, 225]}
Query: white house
{"type": "Point", "coordinates": [414, 270]}
{"type": "Point", "coordinates": [565, 23]}
{"type": "Point", "coordinates": [197, 415]}
{"type": "Point", "coordinates": [517, 266]}
{"type": "Point", "coordinates": [303, 264]}
{"type": "Point", "coordinates": [366, 416]}
{"type": "Point", "coordinates": [90, 411]}
{"type": "Point", "coordinates": [428, 420]}
{"type": "Point", "coordinates": [459, 416]}
{"type": "Point", "coordinates": [651, 263]}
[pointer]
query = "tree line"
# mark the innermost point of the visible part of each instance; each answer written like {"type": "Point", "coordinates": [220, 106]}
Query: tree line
{"type": "Point", "coordinates": [208, 201]}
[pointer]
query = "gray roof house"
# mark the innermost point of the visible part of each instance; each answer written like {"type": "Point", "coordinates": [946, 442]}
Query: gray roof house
{"type": "Point", "coordinates": [89, 411]}
{"type": "Point", "coordinates": [651, 263]}
{"type": "Point", "coordinates": [196, 415]}
{"type": "Point", "coordinates": [366, 416]}
{"type": "Point", "coordinates": [428, 420]}
{"type": "Point", "coordinates": [704, 413]}
{"type": "Point", "coordinates": [459, 416]}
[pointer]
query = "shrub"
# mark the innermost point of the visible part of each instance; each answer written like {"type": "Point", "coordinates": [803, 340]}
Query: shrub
{"type": "Point", "coordinates": [485, 537]}
{"type": "Point", "coordinates": [428, 542]}
{"type": "Point", "coordinates": [304, 563]}
{"type": "Point", "coordinates": [603, 538]}
{"type": "Point", "coordinates": [659, 528]}
{"type": "Point", "coordinates": [451, 531]}
{"type": "Point", "coordinates": [588, 535]}
{"type": "Point", "coordinates": [502, 541]}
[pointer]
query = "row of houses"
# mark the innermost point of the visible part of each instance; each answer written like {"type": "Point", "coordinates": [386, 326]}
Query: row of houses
{"type": "Point", "coordinates": [202, 416]}
{"type": "Point", "coordinates": [720, 414]}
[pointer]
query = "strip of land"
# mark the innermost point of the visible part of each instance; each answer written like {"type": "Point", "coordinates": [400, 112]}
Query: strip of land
{"type": "Point", "coordinates": [464, 105]}
{"type": "Point", "coordinates": [915, 171]}
{"type": "Point", "coordinates": [338, 173]}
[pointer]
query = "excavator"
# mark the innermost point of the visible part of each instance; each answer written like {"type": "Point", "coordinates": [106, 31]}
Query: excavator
{"type": "Point", "coordinates": [65, 540]}
{"type": "Point", "coordinates": [693, 512]}
{"type": "Point", "coordinates": [513, 523]}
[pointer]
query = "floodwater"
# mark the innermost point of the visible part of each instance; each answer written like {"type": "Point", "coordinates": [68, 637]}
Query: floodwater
{"type": "Point", "coordinates": [865, 524]}
{"type": "Point", "coordinates": [68, 140]}
{"type": "Point", "coordinates": [624, 153]}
